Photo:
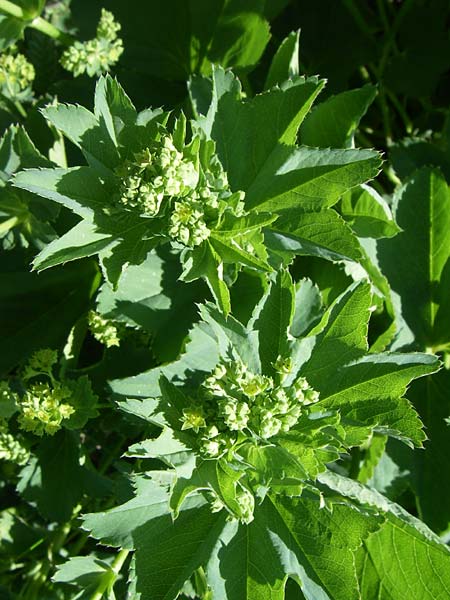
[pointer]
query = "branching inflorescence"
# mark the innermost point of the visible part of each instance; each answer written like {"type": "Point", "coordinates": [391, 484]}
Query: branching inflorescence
{"type": "Point", "coordinates": [235, 404]}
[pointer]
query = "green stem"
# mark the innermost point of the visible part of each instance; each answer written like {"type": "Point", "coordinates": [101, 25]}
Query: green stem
{"type": "Point", "coordinates": [38, 23]}
{"type": "Point", "coordinates": [401, 111]}
{"type": "Point", "coordinates": [44, 26]}
{"type": "Point", "coordinates": [20, 109]}
{"type": "Point", "coordinates": [11, 9]}
{"type": "Point", "coordinates": [108, 580]}
{"type": "Point", "coordinates": [9, 224]}
{"type": "Point", "coordinates": [358, 18]}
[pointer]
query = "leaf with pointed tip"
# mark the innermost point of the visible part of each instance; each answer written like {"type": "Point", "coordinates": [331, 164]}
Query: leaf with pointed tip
{"type": "Point", "coordinates": [113, 108]}
{"type": "Point", "coordinates": [83, 571]}
{"type": "Point", "coordinates": [82, 128]}
{"type": "Point", "coordinates": [274, 319]}
{"type": "Point", "coordinates": [80, 241]}
{"type": "Point", "coordinates": [417, 260]}
{"type": "Point", "coordinates": [231, 252]}
{"type": "Point", "coordinates": [79, 188]}
{"type": "Point", "coordinates": [323, 234]}
{"type": "Point", "coordinates": [309, 178]}
{"type": "Point", "coordinates": [343, 337]}
{"type": "Point", "coordinates": [17, 152]}
{"type": "Point", "coordinates": [368, 213]}
{"type": "Point", "coordinates": [308, 307]}
{"type": "Point", "coordinates": [229, 332]}
{"type": "Point", "coordinates": [204, 261]}
{"type": "Point", "coordinates": [284, 64]}
{"type": "Point", "coordinates": [332, 123]}
{"type": "Point", "coordinates": [206, 93]}
{"type": "Point", "coordinates": [419, 564]}
{"type": "Point", "coordinates": [368, 393]}
{"type": "Point", "coordinates": [243, 146]}
{"type": "Point", "coordinates": [200, 357]}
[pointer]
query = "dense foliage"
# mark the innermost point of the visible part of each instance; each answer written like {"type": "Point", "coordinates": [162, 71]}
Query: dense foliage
{"type": "Point", "coordinates": [225, 285]}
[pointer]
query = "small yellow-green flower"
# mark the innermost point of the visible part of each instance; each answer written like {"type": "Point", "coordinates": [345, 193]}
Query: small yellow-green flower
{"type": "Point", "coordinates": [104, 330]}
{"type": "Point", "coordinates": [98, 55]}
{"type": "Point", "coordinates": [11, 448]}
{"type": "Point", "coordinates": [43, 408]}
{"type": "Point", "coordinates": [16, 74]}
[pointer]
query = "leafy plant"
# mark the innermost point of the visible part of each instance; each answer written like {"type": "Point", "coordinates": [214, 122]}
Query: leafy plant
{"type": "Point", "coordinates": [225, 339]}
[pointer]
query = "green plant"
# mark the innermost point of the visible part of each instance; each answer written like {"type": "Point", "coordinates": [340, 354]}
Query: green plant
{"type": "Point", "coordinates": [225, 341]}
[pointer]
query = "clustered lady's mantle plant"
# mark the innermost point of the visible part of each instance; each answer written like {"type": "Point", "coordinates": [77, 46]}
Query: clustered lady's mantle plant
{"type": "Point", "coordinates": [231, 264]}
{"type": "Point", "coordinates": [249, 495]}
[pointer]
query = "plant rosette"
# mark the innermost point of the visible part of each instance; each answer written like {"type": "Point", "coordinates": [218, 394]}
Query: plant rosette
{"type": "Point", "coordinates": [152, 179]}
{"type": "Point", "coordinates": [249, 441]}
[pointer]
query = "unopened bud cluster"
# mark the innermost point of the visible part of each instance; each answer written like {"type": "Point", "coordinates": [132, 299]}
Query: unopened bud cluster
{"type": "Point", "coordinates": [105, 331]}
{"type": "Point", "coordinates": [43, 408]}
{"type": "Point", "coordinates": [11, 448]}
{"type": "Point", "coordinates": [162, 182]}
{"type": "Point", "coordinates": [233, 400]}
{"type": "Point", "coordinates": [16, 74]}
{"type": "Point", "coordinates": [98, 55]}
{"type": "Point", "coordinates": [44, 405]}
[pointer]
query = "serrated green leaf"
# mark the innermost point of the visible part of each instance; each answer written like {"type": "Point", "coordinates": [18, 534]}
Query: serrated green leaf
{"type": "Point", "coordinates": [309, 178]}
{"type": "Point", "coordinates": [200, 357]}
{"type": "Point", "coordinates": [274, 319]}
{"type": "Point", "coordinates": [119, 526]}
{"type": "Point", "coordinates": [302, 541]}
{"type": "Point", "coordinates": [344, 336]}
{"type": "Point", "coordinates": [419, 561]}
{"type": "Point", "coordinates": [11, 30]}
{"type": "Point", "coordinates": [285, 63]}
{"type": "Point", "coordinates": [81, 241]}
{"type": "Point", "coordinates": [113, 108]}
{"type": "Point", "coordinates": [332, 123]}
{"type": "Point", "coordinates": [82, 128]}
{"type": "Point", "coordinates": [369, 389]}
{"type": "Point", "coordinates": [323, 234]}
{"type": "Point", "coordinates": [308, 307]}
{"type": "Point", "coordinates": [368, 213]}
{"type": "Point", "coordinates": [243, 146]}
{"type": "Point", "coordinates": [429, 468]}
{"type": "Point", "coordinates": [79, 189]}
{"type": "Point", "coordinates": [83, 571]}
{"type": "Point", "coordinates": [54, 479]}
{"type": "Point", "coordinates": [415, 260]}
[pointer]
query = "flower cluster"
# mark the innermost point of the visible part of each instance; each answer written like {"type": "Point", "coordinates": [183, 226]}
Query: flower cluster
{"type": "Point", "coordinates": [16, 74]}
{"type": "Point", "coordinates": [234, 402]}
{"type": "Point", "coordinates": [105, 331]}
{"type": "Point", "coordinates": [48, 402]}
{"type": "Point", "coordinates": [98, 55]}
{"type": "Point", "coordinates": [43, 407]}
{"type": "Point", "coordinates": [41, 363]}
{"type": "Point", "coordinates": [162, 181]}
{"type": "Point", "coordinates": [11, 448]}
